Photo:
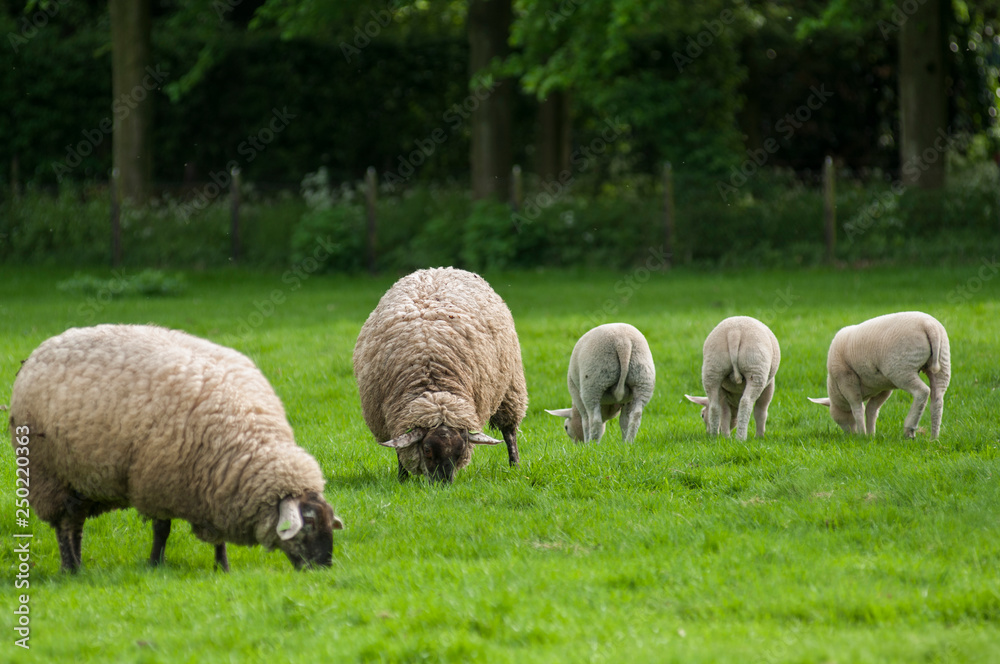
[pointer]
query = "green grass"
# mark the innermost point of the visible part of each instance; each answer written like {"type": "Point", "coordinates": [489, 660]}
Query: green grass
{"type": "Point", "coordinates": [807, 546]}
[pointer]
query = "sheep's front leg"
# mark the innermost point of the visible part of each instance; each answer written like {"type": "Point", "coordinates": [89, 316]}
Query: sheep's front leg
{"type": "Point", "coordinates": [872, 408]}
{"type": "Point", "coordinates": [161, 531]}
{"type": "Point", "coordinates": [510, 438]}
{"type": "Point", "coordinates": [921, 393]}
{"type": "Point", "coordinates": [716, 406]}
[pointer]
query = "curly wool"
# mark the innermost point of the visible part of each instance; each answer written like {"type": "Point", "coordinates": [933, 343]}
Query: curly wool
{"type": "Point", "coordinates": [439, 349]}
{"type": "Point", "coordinates": [173, 425]}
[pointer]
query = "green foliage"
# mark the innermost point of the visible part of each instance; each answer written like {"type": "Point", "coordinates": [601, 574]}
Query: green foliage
{"type": "Point", "coordinates": [805, 546]}
{"type": "Point", "coordinates": [143, 284]}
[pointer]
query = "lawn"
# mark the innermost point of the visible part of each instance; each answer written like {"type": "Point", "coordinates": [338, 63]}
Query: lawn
{"type": "Point", "coordinates": [805, 546]}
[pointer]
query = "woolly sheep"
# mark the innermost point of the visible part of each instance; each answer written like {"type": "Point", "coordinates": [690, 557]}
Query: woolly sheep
{"type": "Point", "coordinates": [610, 372]}
{"type": "Point", "coordinates": [868, 361]}
{"type": "Point", "coordinates": [175, 426]}
{"type": "Point", "coordinates": [436, 360]}
{"type": "Point", "coordinates": [740, 359]}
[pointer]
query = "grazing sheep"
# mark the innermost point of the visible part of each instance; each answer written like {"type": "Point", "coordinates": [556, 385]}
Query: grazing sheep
{"type": "Point", "coordinates": [868, 361]}
{"type": "Point", "coordinates": [610, 371]}
{"type": "Point", "coordinates": [175, 426]}
{"type": "Point", "coordinates": [436, 360]}
{"type": "Point", "coordinates": [741, 357]}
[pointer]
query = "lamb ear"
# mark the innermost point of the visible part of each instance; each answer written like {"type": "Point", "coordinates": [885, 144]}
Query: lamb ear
{"type": "Point", "coordinates": [482, 439]}
{"type": "Point", "coordinates": [562, 412]}
{"type": "Point", "coordinates": [824, 401]}
{"type": "Point", "coordinates": [289, 519]}
{"type": "Point", "coordinates": [701, 401]}
{"type": "Point", "coordinates": [407, 439]}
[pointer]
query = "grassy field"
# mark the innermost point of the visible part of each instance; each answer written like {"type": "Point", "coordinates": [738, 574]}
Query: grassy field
{"type": "Point", "coordinates": [805, 546]}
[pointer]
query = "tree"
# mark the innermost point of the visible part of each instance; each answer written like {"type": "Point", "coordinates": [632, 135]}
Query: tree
{"type": "Point", "coordinates": [131, 92]}
{"type": "Point", "coordinates": [923, 104]}
{"type": "Point", "coordinates": [490, 151]}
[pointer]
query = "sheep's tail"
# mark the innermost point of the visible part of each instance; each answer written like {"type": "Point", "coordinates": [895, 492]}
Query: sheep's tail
{"type": "Point", "coordinates": [624, 348]}
{"type": "Point", "coordinates": [734, 354]}
{"type": "Point", "coordinates": [934, 337]}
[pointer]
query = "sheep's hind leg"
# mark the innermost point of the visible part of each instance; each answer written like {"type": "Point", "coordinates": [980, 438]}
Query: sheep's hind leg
{"type": "Point", "coordinates": [921, 393]}
{"type": "Point", "coordinates": [760, 408]}
{"type": "Point", "coordinates": [221, 559]}
{"type": "Point", "coordinates": [161, 531]}
{"type": "Point", "coordinates": [751, 393]}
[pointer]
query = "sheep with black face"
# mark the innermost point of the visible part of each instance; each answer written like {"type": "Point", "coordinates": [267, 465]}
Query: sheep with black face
{"type": "Point", "coordinates": [175, 426]}
{"type": "Point", "coordinates": [436, 360]}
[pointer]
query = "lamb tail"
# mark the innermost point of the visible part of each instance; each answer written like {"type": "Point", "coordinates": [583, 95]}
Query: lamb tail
{"type": "Point", "coordinates": [734, 354]}
{"type": "Point", "coordinates": [624, 348]}
{"type": "Point", "coordinates": [934, 337]}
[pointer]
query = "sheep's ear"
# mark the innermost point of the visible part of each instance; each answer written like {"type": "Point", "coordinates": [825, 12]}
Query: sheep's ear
{"type": "Point", "coordinates": [337, 523]}
{"type": "Point", "coordinates": [407, 439]}
{"type": "Point", "coordinates": [701, 401]}
{"type": "Point", "coordinates": [289, 519]}
{"type": "Point", "coordinates": [482, 439]}
{"type": "Point", "coordinates": [562, 412]}
{"type": "Point", "coordinates": [825, 401]}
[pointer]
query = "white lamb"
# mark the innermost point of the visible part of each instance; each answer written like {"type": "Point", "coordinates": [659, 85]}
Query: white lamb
{"type": "Point", "coordinates": [868, 361]}
{"type": "Point", "coordinates": [741, 357]}
{"type": "Point", "coordinates": [610, 371]}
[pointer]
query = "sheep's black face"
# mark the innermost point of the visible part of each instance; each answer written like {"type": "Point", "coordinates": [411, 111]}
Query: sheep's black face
{"type": "Point", "coordinates": [442, 451]}
{"type": "Point", "coordinates": [312, 546]}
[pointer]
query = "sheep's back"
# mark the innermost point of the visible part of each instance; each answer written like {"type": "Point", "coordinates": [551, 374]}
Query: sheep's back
{"type": "Point", "coordinates": [150, 417]}
{"type": "Point", "coordinates": [440, 348]}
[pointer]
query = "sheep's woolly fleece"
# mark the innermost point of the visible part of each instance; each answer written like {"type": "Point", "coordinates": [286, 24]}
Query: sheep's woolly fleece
{"type": "Point", "coordinates": [439, 349]}
{"type": "Point", "coordinates": [174, 425]}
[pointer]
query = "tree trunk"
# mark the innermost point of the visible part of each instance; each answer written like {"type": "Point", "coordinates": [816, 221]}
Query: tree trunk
{"type": "Point", "coordinates": [132, 106]}
{"type": "Point", "coordinates": [923, 105]}
{"type": "Point", "coordinates": [555, 133]}
{"type": "Point", "coordinates": [490, 154]}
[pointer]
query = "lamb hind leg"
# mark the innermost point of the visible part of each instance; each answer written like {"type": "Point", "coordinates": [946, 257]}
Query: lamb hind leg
{"type": "Point", "coordinates": [921, 393]}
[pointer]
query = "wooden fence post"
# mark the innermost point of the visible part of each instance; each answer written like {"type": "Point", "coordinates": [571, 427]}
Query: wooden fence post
{"type": "Point", "coordinates": [234, 226]}
{"type": "Point", "coordinates": [517, 188]}
{"type": "Point", "coordinates": [829, 208]}
{"type": "Point", "coordinates": [371, 192]}
{"type": "Point", "coordinates": [116, 225]}
{"type": "Point", "coordinates": [668, 213]}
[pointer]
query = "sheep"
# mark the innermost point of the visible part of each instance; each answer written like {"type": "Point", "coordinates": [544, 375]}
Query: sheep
{"type": "Point", "coordinates": [436, 359]}
{"type": "Point", "coordinates": [866, 362]}
{"type": "Point", "coordinates": [175, 426]}
{"type": "Point", "coordinates": [611, 371]}
{"type": "Point", "coordinates": [740, 360]}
